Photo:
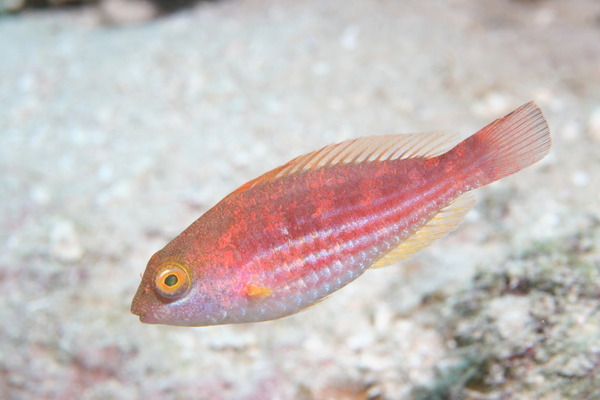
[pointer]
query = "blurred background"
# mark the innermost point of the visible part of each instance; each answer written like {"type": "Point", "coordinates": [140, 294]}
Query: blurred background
{"type": "Point", "coordinates": [121, 122]}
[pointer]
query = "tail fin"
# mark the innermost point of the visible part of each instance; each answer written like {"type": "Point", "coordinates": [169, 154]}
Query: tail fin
{"type": "Point", "coordinates": [508, 144]}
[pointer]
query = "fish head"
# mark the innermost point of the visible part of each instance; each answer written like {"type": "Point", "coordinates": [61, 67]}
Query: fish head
{"type": "Point", "coordinates": [174, 291]}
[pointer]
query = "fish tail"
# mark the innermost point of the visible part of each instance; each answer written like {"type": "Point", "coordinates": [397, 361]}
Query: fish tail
{"type": "Point", "coordinates": [506, 146]}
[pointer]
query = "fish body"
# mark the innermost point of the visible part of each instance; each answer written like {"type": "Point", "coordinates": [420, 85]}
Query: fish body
{"type": "Point", "coordinates": [302, 231]}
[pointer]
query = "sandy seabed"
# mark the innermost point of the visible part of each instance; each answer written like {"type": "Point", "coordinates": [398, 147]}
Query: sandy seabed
{"type": "Point", "coordinates": [115, 137]}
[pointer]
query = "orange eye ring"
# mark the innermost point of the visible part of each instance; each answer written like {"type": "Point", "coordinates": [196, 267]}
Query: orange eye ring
{"type": "Point", "coordinates": [172, 281]}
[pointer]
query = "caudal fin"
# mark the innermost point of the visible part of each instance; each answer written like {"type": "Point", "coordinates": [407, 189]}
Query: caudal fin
{"type": "Point", "coordinates": [508, 144]}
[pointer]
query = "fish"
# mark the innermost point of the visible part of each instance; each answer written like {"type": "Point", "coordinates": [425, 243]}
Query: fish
{"type": "Point", "coordinates": [289, 238]}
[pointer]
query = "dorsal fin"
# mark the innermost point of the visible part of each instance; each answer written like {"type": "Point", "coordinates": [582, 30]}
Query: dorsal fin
{"type": "Point", "coordinates": [370, 148]}
{"type": "Point", "coordinates": [267, 176]}
{"type": "Point", "coordinates": [443, 222]}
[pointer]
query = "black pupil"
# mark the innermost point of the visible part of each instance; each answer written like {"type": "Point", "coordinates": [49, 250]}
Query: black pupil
{"type": "Point", "coordinates": [171, 280]}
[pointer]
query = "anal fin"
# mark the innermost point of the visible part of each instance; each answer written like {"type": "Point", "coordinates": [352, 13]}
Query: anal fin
{"type": "Point", "coordinates": [446, 220]}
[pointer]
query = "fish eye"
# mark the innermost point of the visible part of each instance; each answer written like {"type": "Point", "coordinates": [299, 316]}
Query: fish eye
{"type": "Point", "coordinates": [172, 281]}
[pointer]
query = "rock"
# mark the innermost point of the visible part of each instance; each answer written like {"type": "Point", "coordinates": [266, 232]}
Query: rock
{"type": "Point", "coordinates": [64, 242]}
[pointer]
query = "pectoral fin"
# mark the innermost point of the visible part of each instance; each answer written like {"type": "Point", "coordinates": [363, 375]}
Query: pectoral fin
{"type": "Point", "coordinates": [257, 292]}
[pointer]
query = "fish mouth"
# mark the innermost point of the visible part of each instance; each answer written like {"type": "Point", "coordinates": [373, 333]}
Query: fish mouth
{"type": "Point", "coordinates": [148, 319]}
{"type": "Point", "coordinates": [136, 309]}
{"type": "Point", "coordinates": [145, 313]}
{"type": "Point", "coordinates": [139, 304]}
{"type": "Point", "coordinates": [145, 317]}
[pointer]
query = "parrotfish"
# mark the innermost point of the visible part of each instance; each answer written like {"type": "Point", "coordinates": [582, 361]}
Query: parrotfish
{"type": "Point", "coordinates": [299, 232]}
